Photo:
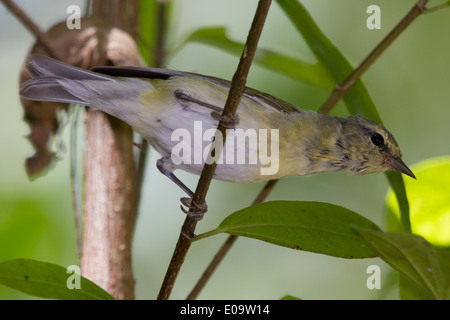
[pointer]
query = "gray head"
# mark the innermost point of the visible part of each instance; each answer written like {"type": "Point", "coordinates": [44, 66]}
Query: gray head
{"type": "Point", "coordinates": [370, 147]}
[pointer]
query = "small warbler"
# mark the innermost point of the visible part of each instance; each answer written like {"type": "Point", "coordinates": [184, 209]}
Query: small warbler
{"type": "Point", "coordinates": [165, 107]}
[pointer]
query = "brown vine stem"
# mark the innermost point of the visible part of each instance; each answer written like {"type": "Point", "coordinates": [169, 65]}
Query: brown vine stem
{"type": "Point", "coordinates": [342, 88]}
{"type": "Point", "coordinates": [329, 104]}
{"type": "Point", "coordinates": [31, 26]}
{"type": "Point", "coordinates": [234, 96]}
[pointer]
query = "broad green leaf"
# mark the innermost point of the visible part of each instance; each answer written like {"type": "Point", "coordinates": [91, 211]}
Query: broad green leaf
{"type": "Point", "coordinates": [429, 199]}
{"type": "Point", "coordinates": [357, 99]}
{"type": "Point", "coordinates": [47, 280]}
{"type": "Point", "coordinates": [443, 255]}
{"type": "Point", "coordinates": [412, 256]}
{"type": "Point", "coordinates": [310, 226]}
{"type": "Point", "coordinates": [309, 73]}
{"type": "Point", "coordinates": [411, 291]}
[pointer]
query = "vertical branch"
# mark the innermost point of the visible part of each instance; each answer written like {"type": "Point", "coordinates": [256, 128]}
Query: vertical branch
{"type": "Point", "coordinates": [109, 182]}
{"type": "Point", "coordinates": [108, 211]}
{"type": "Point", "coordinates": [234, 96]}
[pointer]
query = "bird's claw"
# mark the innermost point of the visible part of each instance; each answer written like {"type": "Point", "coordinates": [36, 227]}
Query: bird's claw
{"type": "Point", "coordinates": [229, 121]}
{"type": "Point", "coordinates": [194, 211]}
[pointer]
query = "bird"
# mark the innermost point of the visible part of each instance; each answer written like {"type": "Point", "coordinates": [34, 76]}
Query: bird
{"type": "Point", "coordinates": [178, 114]}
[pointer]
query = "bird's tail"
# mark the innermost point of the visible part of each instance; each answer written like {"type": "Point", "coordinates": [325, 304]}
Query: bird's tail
{"type": "Point", "coordinates": [48, 77]}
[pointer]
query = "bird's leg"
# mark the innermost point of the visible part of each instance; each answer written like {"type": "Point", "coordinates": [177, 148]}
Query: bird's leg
{"type": "Point", "coordinates": [195, 211]}
{"type": "Point", "coordinates": [216, 113]}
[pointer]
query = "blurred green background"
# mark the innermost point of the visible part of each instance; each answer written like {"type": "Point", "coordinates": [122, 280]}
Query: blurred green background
{"type": "Point", "coordinates": [409, 85]}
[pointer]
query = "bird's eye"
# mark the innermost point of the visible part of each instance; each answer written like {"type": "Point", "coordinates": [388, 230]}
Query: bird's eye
{"type": "Point", "coordinates": [377, 139]}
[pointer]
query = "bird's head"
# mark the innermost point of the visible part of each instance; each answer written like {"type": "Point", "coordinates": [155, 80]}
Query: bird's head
{"type": "Point", "coordinates": [370, 147]}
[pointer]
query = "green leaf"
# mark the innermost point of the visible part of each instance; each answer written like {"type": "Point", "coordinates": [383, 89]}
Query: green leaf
{"type": "Point", "coordinates": [310, 226]}
{"type": "Point", "coordinates": [412, 256]}
{"type": "Point", "coordinates": [357, 98]}
{"type": "Point", "coordinates": [309, 73]}
{"type": "Point", "coordinates": [443, 255]}
{"type": "Point", "coordinates": [409, 290]}
{"type": "Point", "coordinates": [428, 199]}
{"type": "Point", "coordinates": [47, 280]}
{"type": "Point", "coordinates": [398, 187]}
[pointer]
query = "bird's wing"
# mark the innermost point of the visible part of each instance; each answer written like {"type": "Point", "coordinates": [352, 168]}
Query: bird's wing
{"type": "Point", "coordinates": [156, 73]}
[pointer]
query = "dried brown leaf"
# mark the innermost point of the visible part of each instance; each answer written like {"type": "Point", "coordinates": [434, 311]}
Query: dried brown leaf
{"type": "Point", "coordinates": [95, 44]}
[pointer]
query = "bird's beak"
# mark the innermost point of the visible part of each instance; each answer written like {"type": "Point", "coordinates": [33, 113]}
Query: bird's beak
{"type": "Point", "coordinates": [398, 165]}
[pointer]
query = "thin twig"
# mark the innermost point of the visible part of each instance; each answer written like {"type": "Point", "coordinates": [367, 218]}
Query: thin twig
{"type": "Point", "coordinates": [438, 7]}
{"type": "Point", "coordinates": [342, 88]}
{"type": "Point", "coordinates": [31, 26]}
{"type": "Point", "coordinates": [234, 96]}
{"type": "Point", "coordinates": [335, 96]}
